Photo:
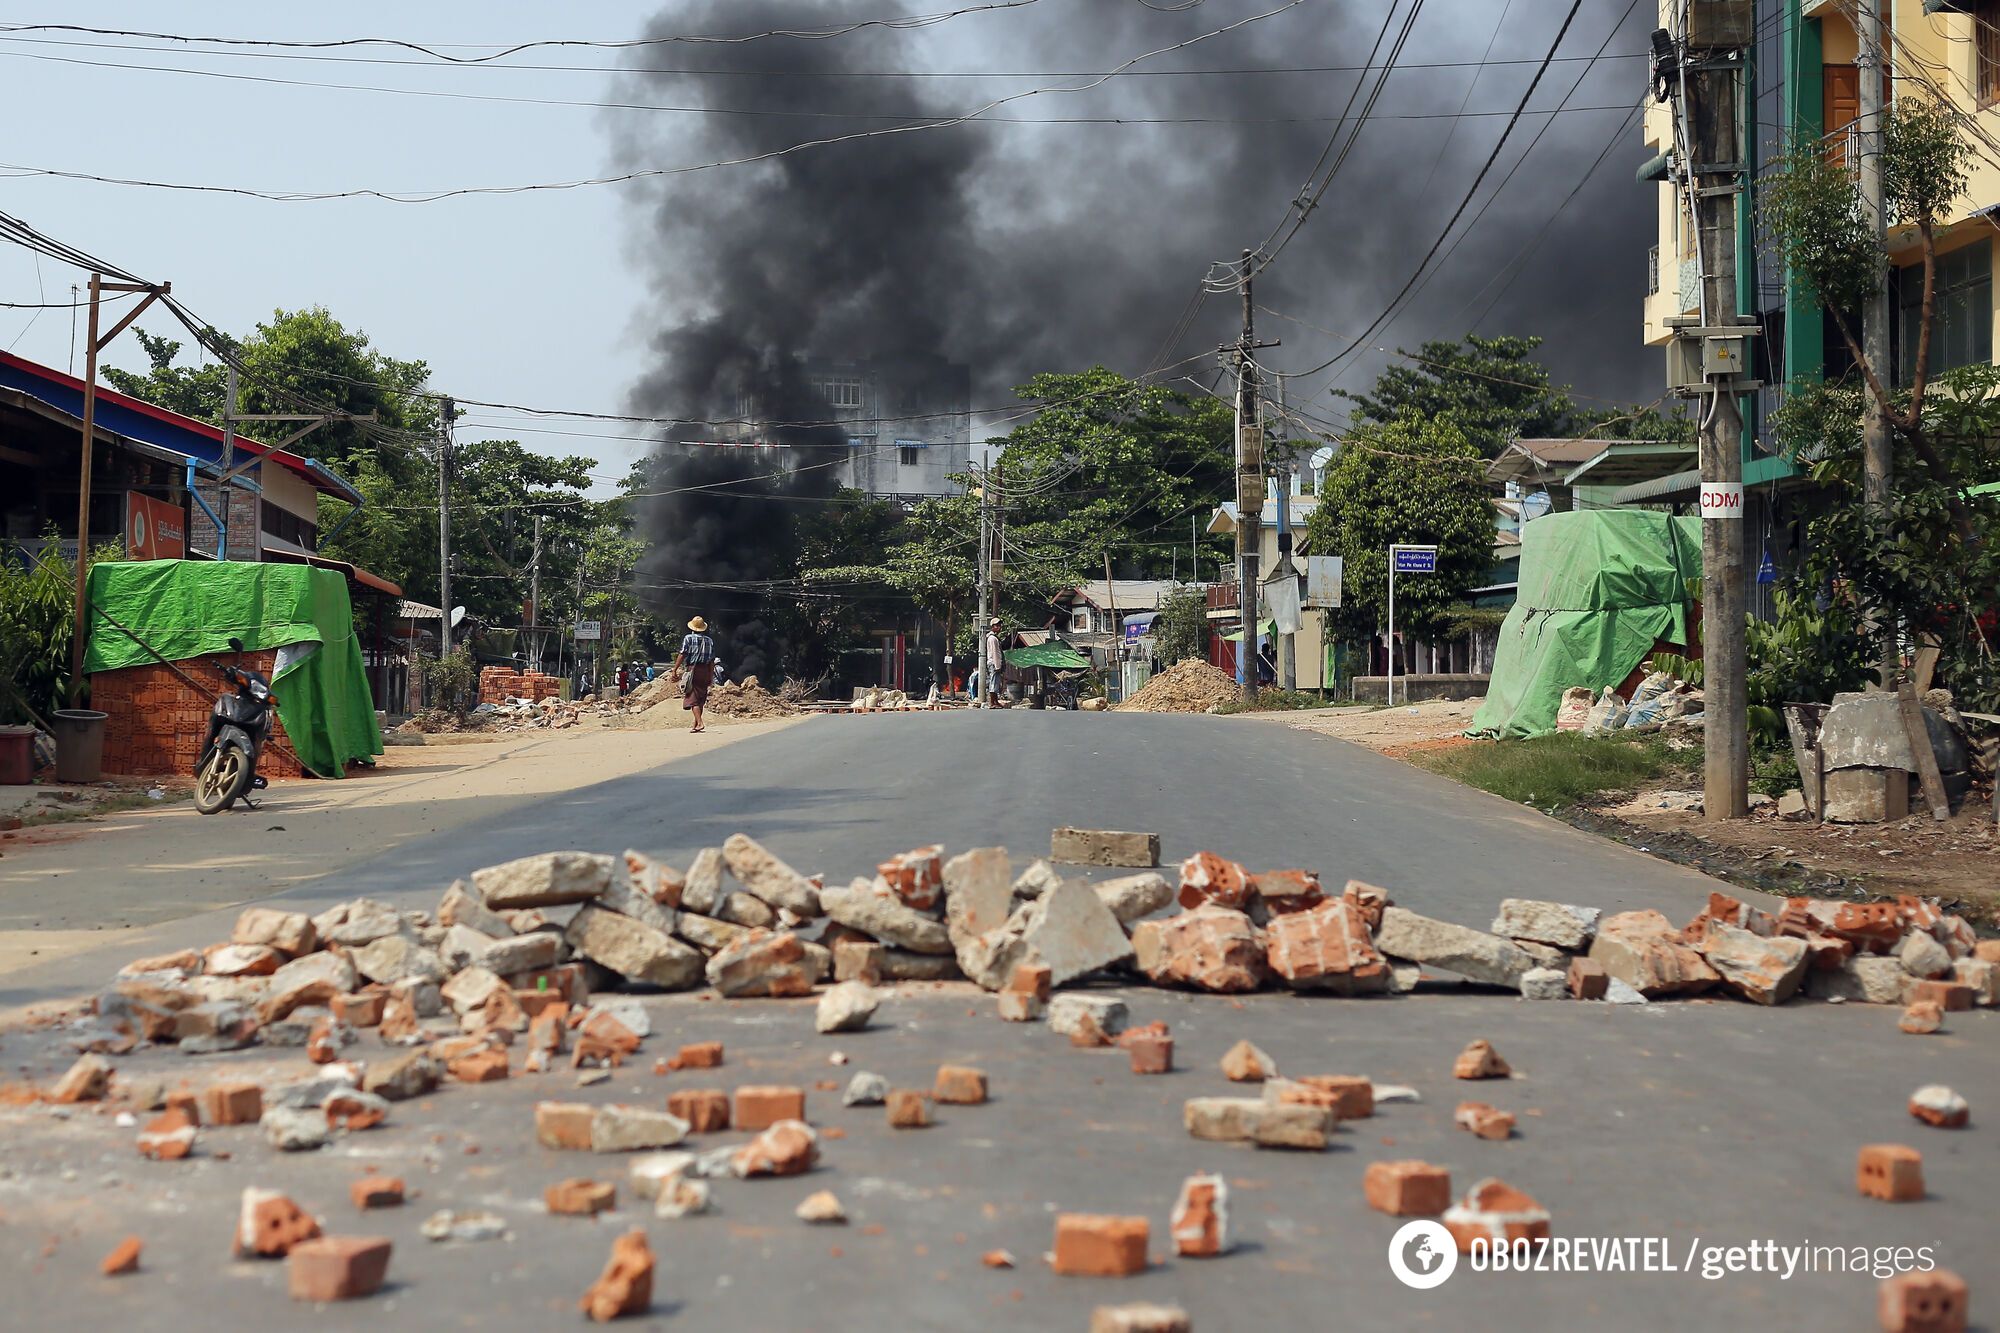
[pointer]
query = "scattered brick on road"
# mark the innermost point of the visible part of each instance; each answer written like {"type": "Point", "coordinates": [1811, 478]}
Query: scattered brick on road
{"type": "Point", "coordinates": [1933, 1302]}
{"type": "Point", "coordinates": [1480, 1060]}
{"type": "Point", "coordinates": [1407, 1188]}
{"type": "Point", "coordinates": [376, 1192]}
{"type": "Point", "coordinates": [959, 1085]}
{"type": "Point", "coordinates": [580, 1197]}
{"type": "Point", "coordinates": [761, 1106]}
{"type": "Point", "coordinates": [1096, 1245]}
{"type": "Point", "coordinates": [1939, 1106]}
{"type": "Point", "coordinates": [1890, 1171]}
{"type": "Point", "coordinates": [337, 1268]}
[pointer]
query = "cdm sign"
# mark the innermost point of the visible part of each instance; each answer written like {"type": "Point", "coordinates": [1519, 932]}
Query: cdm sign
{"type": "Point", "coordinates": [1722, 499]}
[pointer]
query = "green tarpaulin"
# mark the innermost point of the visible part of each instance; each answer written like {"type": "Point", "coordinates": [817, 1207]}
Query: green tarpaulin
{"type": "Point", "coordinates": [190, 609]}
{"type": "Point", "coordinates": [1057, 655]}
{"type": "Point", "coordinates": [1598, 588]}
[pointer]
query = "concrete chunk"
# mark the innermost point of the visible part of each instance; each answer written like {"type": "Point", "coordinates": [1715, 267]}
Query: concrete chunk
{"type": "Point", "coordinates": [768, 878]}
{"type": "Point", "coordinates": [522, 953]}
{"type": "Point", "coordinates": [1131, 897]}
{"type": "Point", "coordinates": [395, 958]}
{"type": "Point", "coordinates": [875, 911]}
{"type": "Point", "coordinates": [618, 1128]}
{"type": "Point", "coordinates": [1560, 924]}
{"type": "Point", "coordinates": [1470, 953]}
{"type": "Point", "coordinates": [461, 907]}
{"type": "Point", "coordinates": [1763, 971]}
{"type": "Point", "coordinates": [1104, 847]}
{"type": "Point", "coordinates": [1068, 1012]}
{"type": "Point", "coordinates": [633, 949]}
{"type": "Point", "coordinates": [1863, 979]}
{"type": "Point", "coordinates": [547, 880]}
{"type": "Point", "coordinates": [978, 894]}
{"type": "Point", "coordinates": [1067, 929]}
{"type": "Point", "coordinates": [702, 888]}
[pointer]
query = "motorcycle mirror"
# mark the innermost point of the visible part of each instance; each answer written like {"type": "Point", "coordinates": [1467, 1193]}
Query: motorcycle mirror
{"type": "Point", "coordinates": [236, 643]}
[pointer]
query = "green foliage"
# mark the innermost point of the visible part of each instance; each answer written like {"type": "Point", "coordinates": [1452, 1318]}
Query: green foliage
{"type": "Point", "coordinates": [1282, 701]}
{"type": "Point", "coordinates": [1909, 557]}
{"type": "Point", "coordinates": [451, 682]}
{"type": "Point", "coordinates": [37, 616]}
{"type": "Point", "coordinates": [1805, 654]}
{"type": "Point", "coordinates": [1416, 481]}
{"type": "Point", "coordinates": [1180, 631]}
{"type": "Point", "coordinates": [1812, 213]}
{"type": "Point", "coordinates": [1558, 769]}
{"type": "Point", "coordinates": [1493, 387]}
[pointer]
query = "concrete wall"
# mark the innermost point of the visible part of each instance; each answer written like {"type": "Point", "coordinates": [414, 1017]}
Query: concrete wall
{"type": "Point", "coordinates": [1375, 689]}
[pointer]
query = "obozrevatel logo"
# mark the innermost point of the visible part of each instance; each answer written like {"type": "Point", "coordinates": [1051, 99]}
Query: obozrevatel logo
{"type": "Point", "coordinates": [1422, 1254]}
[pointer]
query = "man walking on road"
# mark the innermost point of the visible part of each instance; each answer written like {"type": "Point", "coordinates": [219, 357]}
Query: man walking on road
{"type": "Point", "coordinates": [989, 676]}
{"type": "Point", "coordinates": [695, 664]}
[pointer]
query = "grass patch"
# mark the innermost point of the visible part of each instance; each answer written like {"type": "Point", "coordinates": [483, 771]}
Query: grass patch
{"type": "Point", "coordinates": [1282, 701]}
{"type": "Point", "coordinates": [1559, 769]}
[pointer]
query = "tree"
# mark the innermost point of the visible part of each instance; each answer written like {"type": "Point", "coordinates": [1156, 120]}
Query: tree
{"type": "Point", "coordinates": [1180, 631]}
{"type": "Point", "coordinates": [1492, 386]}
{"type": "Point", "coordinates": [1416, 480]}
{"type": "Point", "coordinates": [1813, 211]}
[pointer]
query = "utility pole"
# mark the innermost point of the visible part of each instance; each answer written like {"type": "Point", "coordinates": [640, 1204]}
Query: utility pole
{"type": "Point", "coordinates": [535, 601]}
{"type": "Point", "coordinates": [80, 629]}
{"type": "Point", "coordinates": [1249, 480]}
{"type": "Point", "coordinates": [1877, 460]}
{"type": "Point", "coordinates": [1288, 671]}
{"type": "Point", "coordinates": [445, 413]}
{"type": "Point", "coordinates": [985, 667]}
{"type": "Point", "coordinates": [1716, 173]}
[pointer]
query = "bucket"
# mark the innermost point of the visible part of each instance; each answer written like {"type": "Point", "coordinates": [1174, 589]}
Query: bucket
{"type": "Point", "coordinates": [17, 756]}
{"type": "Point", "coordinates": [79, 744]}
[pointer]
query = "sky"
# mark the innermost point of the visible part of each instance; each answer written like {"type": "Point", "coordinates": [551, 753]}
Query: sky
{"type": "Point", "coordinates": [560, 298]}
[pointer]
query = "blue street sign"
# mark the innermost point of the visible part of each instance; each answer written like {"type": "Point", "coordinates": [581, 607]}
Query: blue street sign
{"type": "Point", "coordinates": [1415, 560]}
{"type": "Point", "coordinates": [1766, 571]}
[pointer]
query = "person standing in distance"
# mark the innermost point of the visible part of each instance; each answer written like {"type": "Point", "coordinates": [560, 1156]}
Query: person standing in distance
{"type": "Point", "coordinates": [989, 677]}
{"type": "Point", "coordinates": [695, 664]}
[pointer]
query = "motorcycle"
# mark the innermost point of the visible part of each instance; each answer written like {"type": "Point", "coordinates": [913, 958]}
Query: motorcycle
{"type": "Point", "coordinates": [237, 729]}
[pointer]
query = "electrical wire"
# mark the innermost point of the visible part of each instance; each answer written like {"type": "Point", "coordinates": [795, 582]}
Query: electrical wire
{"type": "Point", "coordinates": [652, 173]}
{"type": "Point", "coordinates": [1459, 212]}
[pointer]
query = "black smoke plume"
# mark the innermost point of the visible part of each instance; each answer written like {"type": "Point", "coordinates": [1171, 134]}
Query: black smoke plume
{"type": "Point", "coordinates": [1013, 248]}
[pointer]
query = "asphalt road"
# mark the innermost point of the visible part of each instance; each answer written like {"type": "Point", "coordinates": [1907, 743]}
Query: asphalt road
{"type": "Point", "coordinates": [1711, 1124]}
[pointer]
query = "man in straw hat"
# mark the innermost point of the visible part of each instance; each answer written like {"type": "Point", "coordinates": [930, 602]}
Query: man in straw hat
{"type": "Point", "coordinates": [695, 665]}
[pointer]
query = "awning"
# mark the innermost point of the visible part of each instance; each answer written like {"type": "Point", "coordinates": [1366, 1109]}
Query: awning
{"type": "Point", "coordinates": [1659, 488]}
{"type": "Point", "coordinates": [354, 573]}
{"type": "Point", "coordinates": [1270, 631]}
{"type": "Point", "coordinates": [1631, 461]}
{"type": "Point", "coordinates": [1053, 655]}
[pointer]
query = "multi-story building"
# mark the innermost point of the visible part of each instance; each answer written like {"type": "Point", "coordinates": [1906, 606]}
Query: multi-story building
{"type": "Point", "coordinates": [908, 424]}
{"type": "Point", "coordinates": [1802, 81]}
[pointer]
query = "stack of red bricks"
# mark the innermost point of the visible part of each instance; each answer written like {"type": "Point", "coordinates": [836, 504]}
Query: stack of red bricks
{"type": "Point", "coordinates": [498, 684]}
{"type": "Point", "coordinates": [156, 723]}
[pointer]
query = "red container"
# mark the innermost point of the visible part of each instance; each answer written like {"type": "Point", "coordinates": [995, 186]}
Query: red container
{"type": "Point", "coordinates": [17, 756]}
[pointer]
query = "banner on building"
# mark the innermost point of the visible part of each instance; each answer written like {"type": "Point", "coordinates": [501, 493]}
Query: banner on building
{"type": "Point", "coordinates": [154, 529]}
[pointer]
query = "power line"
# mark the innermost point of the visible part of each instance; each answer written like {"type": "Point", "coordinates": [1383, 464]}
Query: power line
{"type": "Point", "coordinates": [1464, 203]}
{"type": "Point", "coordinates": [767, 112]}
{"type": "Point", "coordinates": [765, 74]}
{"type": "Point", "coordinates": [651, 173]}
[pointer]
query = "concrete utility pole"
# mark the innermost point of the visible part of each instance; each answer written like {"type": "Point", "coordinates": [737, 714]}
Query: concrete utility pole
{"type": "Point", "coordinates": [1877, 460]}
{"type": "Point", "coordinates": [535, 600]}
{"type": "Point", "coordinates": [985, 667]}
{"type": "Point", "coordinates": [445, 414]}
{"type": "Point", "coordinates": [1249, 483]}
{"type": "Point", "coordinates": [1288, 671]}
{"type": "Point", "coordinates": [1716, 164]}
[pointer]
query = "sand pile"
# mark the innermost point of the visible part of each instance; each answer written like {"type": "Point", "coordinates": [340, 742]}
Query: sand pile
{"type": "Point", "coordinates": [1192, 686]}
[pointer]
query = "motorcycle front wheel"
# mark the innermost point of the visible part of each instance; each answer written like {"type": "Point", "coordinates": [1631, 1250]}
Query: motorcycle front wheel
{"type": "Point", "coordinates": [221, 780]}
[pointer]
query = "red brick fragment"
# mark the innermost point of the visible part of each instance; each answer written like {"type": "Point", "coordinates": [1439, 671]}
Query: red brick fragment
{"type": "Point", "coordinates": [354, 1111]}
{"type": "Point", "coordinates": [482, 1066]}
{"type": "Point", "coordinates": [908, 1109]}
{"type": "Point", "coordinates": [232, 1104]}
{"type": "Point", "coordinates": [123, 1259]}
{"type": "Point", "coordinates": [760, 1107]}
{"type": "Point", "coordinates": [1480, 1060]}
{"type": "Point", "coordinates": [1922, 1018]}
{"type": "Point", "coordinates": [705, 1109]}
{"type": "Point", "coordinates": [960, 1085]}
{"type": "Point", "coordinates": [699, 1055]}
{"type": "Point", "coordinates": [168, 1137]}
{"type": "Point", "coordinates": [1151, 1054]}
{"type": "Point", "coordinates": [1495, 1213]}
{"type": "Point", "coordinates": [1036, 979]}
{"type": "Point", "coordinates": [1950, 997]}
{"type": "Point", "coordinates": [1200, 1221]}
{"type": "Point", "coordinates": [270, 1224]}
{"type": "Point", "coordinates": [1289, 890]}
{"type": "Point", "coordinates": [1587, 979]}
{"type": "Point", "coordinates": [1933, 1302]}
{"type": "Point", "coordinates": [1890, 1171]}
{"type": "Point", "coordinates": [1485, 1121]}
{"type": "Point", "coordinates": [1096, 1245]}
{"type": "Point", "coordinates": [337, 1268]}
{"type": "Point", "coordinates": [363, 1009]}
{"type": "Point", "coordinates": [1353, 1095]}
{"type": "Point", "coordinates": [1208, 878]}
{"type": "Point", "coordinates": [788, 1148]}
{"type": "Point", "coordinates": [564, 1125]}
{"type": "Point", "coordinates": [579, 1197]}
{"type": "Point", "coordinates": [625, 1287]}
{"type": "Point", "coordinates": [376, 1192]}
{"type": "Point", "coordinates": [1408, 1188]}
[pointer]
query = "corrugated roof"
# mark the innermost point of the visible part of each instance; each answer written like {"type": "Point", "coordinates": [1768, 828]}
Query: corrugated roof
{"type": "Point", "coordinates": [1126, 594]}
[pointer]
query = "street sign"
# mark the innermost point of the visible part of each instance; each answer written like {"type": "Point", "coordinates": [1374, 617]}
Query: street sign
{"type": "Point", "coordinates": [1766, 571]}
{"type": "Point", "coordinates": [589, 629]}
{"type": "Point", "coordinates": [1404, 559]}
{"type": "Point", "coordinates": [1323, 580]}
{"type": "Point", "coordinates": [1414, 559]}
{"type": "Point", "coordinates": [1722, 499]}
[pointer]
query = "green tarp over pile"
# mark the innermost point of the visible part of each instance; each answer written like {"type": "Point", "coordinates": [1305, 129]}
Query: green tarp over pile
{"type": "Point", "coordinates": [1598, 588]}
{"type": "Point", "coordinates": [190, 609]}
{"type": "Point", "coordinates": [1056, 655]}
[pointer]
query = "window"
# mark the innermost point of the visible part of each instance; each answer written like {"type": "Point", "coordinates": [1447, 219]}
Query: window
{"type": "Point", "coordinates": [1962, 324]}
{"type": "Point", "coordinates": [289, 527]}
{"type": "Point", "coordinates": [909, 456]}
{"type": "Point", "coordinates": [1986, 50]}
{"type": "Point", "coordinates": [838, 391]}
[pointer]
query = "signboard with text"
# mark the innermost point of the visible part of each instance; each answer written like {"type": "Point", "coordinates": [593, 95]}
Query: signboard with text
{"type": "Point", "coordinates": [589, 629]}
{"type": "Point", "coordinates": [154, 529]}
{"type": "Point", "coordinates": [1414, 559]}
{"type": "Point", "coordinates": [1722, 499]}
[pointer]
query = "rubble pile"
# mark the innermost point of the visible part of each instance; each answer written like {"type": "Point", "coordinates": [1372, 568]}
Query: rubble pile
{"type": "Point", "coordinates": [1191, 686]}
{"type": "Point", "coordinates": [746, 698]}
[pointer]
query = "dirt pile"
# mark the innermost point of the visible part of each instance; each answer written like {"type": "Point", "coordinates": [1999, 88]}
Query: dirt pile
{"type": "Point", "coordinates": [1192, 686]}
{"type": "Point", "coordinates": [747, 698]}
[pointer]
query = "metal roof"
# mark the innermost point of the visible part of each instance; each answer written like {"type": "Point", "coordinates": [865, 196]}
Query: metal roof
{"type": "Point", "coordinates": [136, 420]}
{"type": "Point", "coordinates": [1126, 594]}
